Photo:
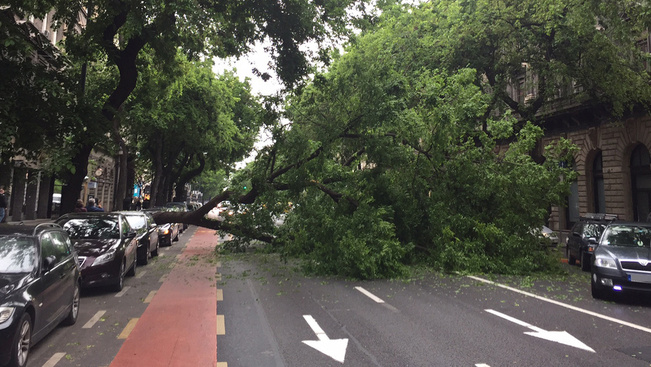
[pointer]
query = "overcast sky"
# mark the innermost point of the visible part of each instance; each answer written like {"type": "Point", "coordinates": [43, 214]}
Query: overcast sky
{"type": "Point", "coordinates": [257, 58]}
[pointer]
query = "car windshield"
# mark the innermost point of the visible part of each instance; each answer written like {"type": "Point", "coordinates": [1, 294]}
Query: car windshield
{"type": "Point", "coordinates": [137, 221]}
{"type": "Point", "coordinates": [92, 228]}
{"type": "Point", "coordinates": [17, 254]}
{"type": "Point", "coordinates": [593, 230]}
{"type": "Point", "coordinates": [628, 236]}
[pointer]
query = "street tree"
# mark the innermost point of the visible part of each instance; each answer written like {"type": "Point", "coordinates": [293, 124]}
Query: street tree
{"type": "Point", "coordinates": [199, 121]}
{"type": "Point", "coordinates": [119, 30]}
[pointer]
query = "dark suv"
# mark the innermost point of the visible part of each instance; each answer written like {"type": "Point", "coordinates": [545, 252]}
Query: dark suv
{"type": "Point", "coordinates": [39, 287]}
{"type": "Point", "coordinates": [584, 237]}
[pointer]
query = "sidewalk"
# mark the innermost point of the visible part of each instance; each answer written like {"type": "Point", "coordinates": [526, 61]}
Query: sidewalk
{"type": "Point", "coordinates": [179, 327]}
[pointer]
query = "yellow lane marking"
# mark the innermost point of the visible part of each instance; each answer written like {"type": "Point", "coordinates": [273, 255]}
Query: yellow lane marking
{"type": "Point", "coordinates": [222, 364]}
{"type": "Point", "coordinates": [128, 329]}
{"type": "Point", "coordinates": [220, 294]}
{"type": "Point", "coordinates": [162, 279]}
{"type": "Point", "coordinates": [219, 264]}
{"type": "Point", "coordinates": [218, 277]}
{"type": "Point", "coordinates": [221, 328]}
{"type": "Point", "coordinates": [150, 297]}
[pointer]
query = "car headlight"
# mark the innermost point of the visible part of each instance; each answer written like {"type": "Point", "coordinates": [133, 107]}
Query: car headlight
{"type": "Point", "coordinates": [108, 256]}
{"type": "Point", "coordinates": [605, 262]}
{"type": "Point", "coordinates": [5, 313]}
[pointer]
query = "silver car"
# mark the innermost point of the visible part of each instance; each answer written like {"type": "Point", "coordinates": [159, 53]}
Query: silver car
{"type": "Point", "coordinates": [622, 260]}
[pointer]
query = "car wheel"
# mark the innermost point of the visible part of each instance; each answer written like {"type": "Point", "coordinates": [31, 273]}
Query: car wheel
{"type": "Point", "coordinates": [155, 252]}
{"type": "Point", "coordinates": [571, 259]}
{"type": "Point", "coordinates": [143, 259]}
{"type": "Point", "coordinates": [120, 284]}
{"type": "Point", "coordinates": [586, 258]}
{"type": "Point", "coordinates": [132, 270]}
{"type": "Point", "coordinates": [22, 342]}
{"type": "Point", "coordinates": [598, 292]}
{"type": "Point", "coordinates": [71, 319]}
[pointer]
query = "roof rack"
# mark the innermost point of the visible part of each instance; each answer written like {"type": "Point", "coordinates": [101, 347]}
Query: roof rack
{"type": "Point", "coordinates": [42, 226]}
{"type": "Point", "coordinates": [600, 216]}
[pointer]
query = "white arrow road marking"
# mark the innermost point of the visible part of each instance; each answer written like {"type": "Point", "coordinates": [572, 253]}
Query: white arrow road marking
{"type": "Point", "coordinates": [562, 337]}
{"type": "Point", "coordinates": [335, 349]}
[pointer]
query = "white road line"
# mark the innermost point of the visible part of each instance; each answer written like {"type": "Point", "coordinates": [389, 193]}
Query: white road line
{"type": "Point", "coordinates": [94, 319]}
{"type": "Point", "coordinates": [573, 308]}
{"type": "Point", "coordinates": [370, 295]}
{"type": "Point", "coordinates": [141, 274]}
{"type": "Point", "coordinates": [54, 360]}
{"type": "Point", "coordinates": [515, 321]}
{"type": "Point", "coordinates": [122, 292]}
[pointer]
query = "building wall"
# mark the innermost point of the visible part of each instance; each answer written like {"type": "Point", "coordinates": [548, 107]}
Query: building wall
{"type": "Point", "coordinates": [616, 140]}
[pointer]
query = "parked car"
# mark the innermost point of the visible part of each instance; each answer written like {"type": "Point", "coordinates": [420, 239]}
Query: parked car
{"type": "Point", "coordinates": [39, 287]}
{"type": "Point", "coordinates": [168, 233]}
{"type": "Point", "coordinates": [546, 234]}
{"type": "Point", "coordinates": [146, 234]}
{"type": "Point", "coordinates": [579, 247]}
{"type": "Point", "coordinates": [106, 247]}
{"type": "Point", "coordinates": [178, 206]}
{"type": "Point", "coordinates": [622, 260]}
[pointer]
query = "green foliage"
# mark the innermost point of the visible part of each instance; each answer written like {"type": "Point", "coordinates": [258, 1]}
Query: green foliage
{"type": "Point", "coordinates": [332, 240]}
{"type": "Point", "coordinates": [404, 161]}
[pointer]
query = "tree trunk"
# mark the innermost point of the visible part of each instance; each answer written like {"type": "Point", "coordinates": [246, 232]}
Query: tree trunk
{"type": "Point", "coordinates": [75, 181]}
{"type": "Point", "coordinates": [181, 194]}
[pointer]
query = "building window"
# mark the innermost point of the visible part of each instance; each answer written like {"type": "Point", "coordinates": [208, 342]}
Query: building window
{"type": "Point", "coordinates": [598, 184]}
{"type": "Point", "coordinates": [572, 203]}
{"type": "Point", "coordinates": [641, 182]}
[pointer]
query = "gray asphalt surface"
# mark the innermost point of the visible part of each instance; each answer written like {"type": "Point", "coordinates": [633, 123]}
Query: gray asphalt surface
{"type": "Point", "coordinates": [431, 321]}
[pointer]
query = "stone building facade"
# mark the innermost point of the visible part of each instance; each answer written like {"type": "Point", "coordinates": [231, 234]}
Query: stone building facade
{"type": "Point", "coordinates": [614, 172]}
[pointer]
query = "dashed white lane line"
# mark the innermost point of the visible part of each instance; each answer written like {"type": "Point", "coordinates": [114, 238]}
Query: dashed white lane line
{"type": "Point", "coordinates": [123, 291]}
{"type": "Point", "coordinates": [370, 295]}
{"type": "Point", "coordinates": [54, 360]}
{"type": "Point", "coordinates": [141, 274]}
{"type": "Point", "coordinates": [94, 319]}
{"type": "Point", "coordinates": [573, 308]}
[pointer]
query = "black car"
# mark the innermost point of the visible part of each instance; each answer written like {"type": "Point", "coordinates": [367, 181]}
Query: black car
{"type": "Point", "coordinates": [579, 244]}
{"type": "Point", "coordinates": [39, 287]}
{"type": "Point", "coordinates": [147, 234]}
{"type": "Point", "coordinates": [622, 260]}
{"type": "Point", "coordinates": [106, 246]}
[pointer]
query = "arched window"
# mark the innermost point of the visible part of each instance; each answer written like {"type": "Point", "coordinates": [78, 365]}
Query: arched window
{"type": "Point", "coordinates": [598, 184]}
{"type": "Point", "coordinates": [641, 182]}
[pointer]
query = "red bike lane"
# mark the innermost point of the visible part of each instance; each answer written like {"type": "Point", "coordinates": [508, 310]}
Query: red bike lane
{"type": "Point", "coordinates": [179, 327]}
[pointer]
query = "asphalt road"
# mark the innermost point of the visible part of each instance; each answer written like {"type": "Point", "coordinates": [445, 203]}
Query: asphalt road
{"type": "Point", "coordinates": [275, 317]}
{"type": "Point", "coordinates": [106, 317]}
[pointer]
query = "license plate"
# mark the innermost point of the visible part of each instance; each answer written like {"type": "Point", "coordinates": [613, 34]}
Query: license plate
{"type": "Point", "coordinates": [640, 278]}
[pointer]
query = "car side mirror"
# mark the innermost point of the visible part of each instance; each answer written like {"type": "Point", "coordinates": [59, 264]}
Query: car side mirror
{"type": "Point", "coordinates": [592, 241]}
{"type": "Point", "coordinates": [576, 234]}
{"type": "Point", "coordinates": [49, 262]}
{"type": "Point", "coordinates": [153, 225]}
{"type": "Point", "coordinates": [131, 234]}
